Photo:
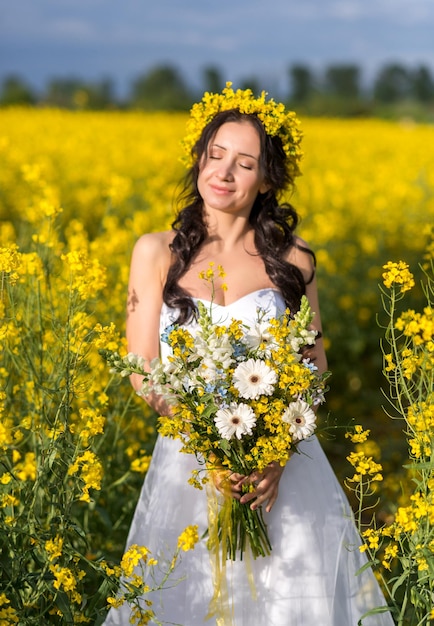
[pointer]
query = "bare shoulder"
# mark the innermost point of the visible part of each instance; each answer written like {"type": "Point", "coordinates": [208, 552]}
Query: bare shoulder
{"type": "Point", "coordinates": [153, 250]}
{"type": "Point", "coordinates": [301, 255]}
{"type": "Point", "coordinates": [150, 262]}
{"type": "Point", "coordinates": [154, 244]}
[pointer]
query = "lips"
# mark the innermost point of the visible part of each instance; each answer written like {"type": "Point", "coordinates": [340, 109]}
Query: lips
{"type": "Point", "coordinates": [220, 190]}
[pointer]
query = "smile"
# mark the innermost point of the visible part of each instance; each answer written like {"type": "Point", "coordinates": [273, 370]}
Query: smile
{"type": "Point", "coordinates": [220, 190]}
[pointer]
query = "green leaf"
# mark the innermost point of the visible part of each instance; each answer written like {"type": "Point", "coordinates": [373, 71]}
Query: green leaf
{"type": "Point", "coordinates": [376, 611]}
{"type": "Point", "coordinates": [62, 602]}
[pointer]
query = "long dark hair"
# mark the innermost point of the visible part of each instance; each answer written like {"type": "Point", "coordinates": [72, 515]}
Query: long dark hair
{"type": "Point", "coordinates": [273, 223]}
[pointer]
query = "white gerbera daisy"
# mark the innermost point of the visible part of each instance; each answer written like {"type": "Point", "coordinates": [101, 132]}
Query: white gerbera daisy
{"type": "Point", "coordinates": [301, 420]}
{"type": "Point", "coordinates": [236, 419]}
{"type": "Point", "coordinates": [254, 378]}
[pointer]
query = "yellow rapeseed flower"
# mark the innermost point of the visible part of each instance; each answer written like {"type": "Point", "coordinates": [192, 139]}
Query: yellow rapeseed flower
{"type": "Point", "coordinates": [91, 472]}
{"type": "Point", "coordinates": [54, 547]}
{"type": "Point", "coordinates": [64, 578]}
{"type": "Point", "coordinates": [132, 558]}
{"type": "Point", "coordinates": [141, 464]}
{"type": "Point", "coordinates": [188, 538]}
{"type": "Point", "coordinates": [10, 262]}
{"type": "Point", "coordinates": [398, 274]}
{"type": "Point", "coordinates": [359, 435]}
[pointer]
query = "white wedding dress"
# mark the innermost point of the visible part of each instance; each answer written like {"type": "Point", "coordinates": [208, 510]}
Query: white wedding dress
{"type": "Point", "coordinates": [310, 577]}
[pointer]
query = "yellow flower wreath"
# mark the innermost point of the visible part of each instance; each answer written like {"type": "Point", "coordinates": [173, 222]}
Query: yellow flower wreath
{"type": "Point", "coordinates": [276, 120]}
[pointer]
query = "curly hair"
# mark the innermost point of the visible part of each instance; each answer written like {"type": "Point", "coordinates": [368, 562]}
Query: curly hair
{"type": "Point", "coordinates": [273, 223]}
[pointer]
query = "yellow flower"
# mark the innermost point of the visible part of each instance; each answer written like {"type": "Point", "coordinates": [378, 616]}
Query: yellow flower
{"type": "Point", "coordinates": [8, 614]}
{"type": "Point", "coordinates": [91, 472]}
{"type": "Point", "coordinates": [390, 365]}
{"type": "Point", "coordinates": [87, 276]}
{"type": "Point", "coordinates": [10, 262]}
{"type": "Point", "coordinates": [390, 553]}
{"type": "Point", "coordinates": [8, 500]}
{"type": "Point", "coordinates": [372, 537]}
{"type": "Point", "coordinates": [5, 478]}
{"type": "Point", "coordinates": [398, 274]}
{"type": "Point", "coordinates": [196, 481]}
{"type": "Point", "coordinates": [26, 470]}
{"type": "Point", "coordinates": [54, 547]}
{"type": "Point", "coordinates": [115, 602]}
{"type": "Point", "coordinates": [276, 120]}
{"type": "Point", "coordinates": [188, 538]}
{"type": "Point", "coordinates": [140, 464]}
{"type": "Point", "coordinates": [91, 424]}
{"type": "Point", "coordinates": [141, 617]}
{"type": "Point", "coordinates": [64, 578]}
{"type": "Point", "coordinates": [132, 558]}
{"type": "Point", "coordinates": [364, 466]}
{"type": "Point", "coordinates": [405, 520]}
{"type": "Point", "coordinates": [359, 435]}
{"type": "Point", "coordinates": [418, 326]}
{"type": "Point", "coordinates": [107, 337]}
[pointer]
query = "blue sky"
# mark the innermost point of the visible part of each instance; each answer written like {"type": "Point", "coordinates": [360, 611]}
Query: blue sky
{"type": "Point", "coordinates": [121, 39]}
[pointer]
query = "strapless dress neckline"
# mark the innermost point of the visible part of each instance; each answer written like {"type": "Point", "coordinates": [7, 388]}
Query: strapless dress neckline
{"type": "Point", "coordinates": [250, 294]}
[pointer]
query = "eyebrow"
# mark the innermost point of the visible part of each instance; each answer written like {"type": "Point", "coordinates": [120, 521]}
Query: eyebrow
{"type": "Point", "coordinates": [216, 145]}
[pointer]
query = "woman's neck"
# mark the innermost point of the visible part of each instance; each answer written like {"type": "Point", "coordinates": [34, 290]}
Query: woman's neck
{"type": "Point", "coordinates": [229, 232]}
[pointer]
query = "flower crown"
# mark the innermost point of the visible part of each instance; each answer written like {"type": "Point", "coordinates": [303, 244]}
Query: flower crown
{"type": "Point", "coordinates": [276, 121]}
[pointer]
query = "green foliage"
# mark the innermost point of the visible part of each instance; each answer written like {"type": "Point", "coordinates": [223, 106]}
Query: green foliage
{"type": "Point", "coordinates": [72, 449]}
{"type": "Point", "coordinates": [402, 550]}
{"type": "Point", "coordinates": [163, 89]}
{"type": "Point", "coordinates": [336, 91]}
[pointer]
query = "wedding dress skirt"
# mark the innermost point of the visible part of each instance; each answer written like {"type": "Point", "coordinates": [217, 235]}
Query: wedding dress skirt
{"type": "Point", "coordinates": [310, 577]}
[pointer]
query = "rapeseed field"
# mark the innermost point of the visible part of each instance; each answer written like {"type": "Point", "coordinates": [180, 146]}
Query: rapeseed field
{"type": "Point", "coordinates": [76, 190]}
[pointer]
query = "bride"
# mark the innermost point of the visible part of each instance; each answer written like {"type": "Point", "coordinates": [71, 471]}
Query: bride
{"type": "Point", "coordinates": [244, 151]}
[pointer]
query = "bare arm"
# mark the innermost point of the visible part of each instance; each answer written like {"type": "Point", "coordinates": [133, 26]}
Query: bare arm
{"type": "Point", "coordinates": [304, 262]}
{"type": "Point", "coordinates": [149, 265]}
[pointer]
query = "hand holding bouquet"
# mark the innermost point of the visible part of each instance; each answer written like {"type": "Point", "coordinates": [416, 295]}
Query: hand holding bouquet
{"type": "Point", "coordinates": [241, 397]}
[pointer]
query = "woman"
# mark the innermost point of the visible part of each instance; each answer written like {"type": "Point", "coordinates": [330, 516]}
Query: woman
{"type": "Point", "coordinates": [244, 151]}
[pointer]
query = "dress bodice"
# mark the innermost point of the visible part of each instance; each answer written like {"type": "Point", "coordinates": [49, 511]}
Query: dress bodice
{"type": "Point", "coordinates": [268, 300]}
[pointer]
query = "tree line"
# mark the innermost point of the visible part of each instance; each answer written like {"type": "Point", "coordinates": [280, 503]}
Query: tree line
{"type": "Point", "coordinates": [337, 90]}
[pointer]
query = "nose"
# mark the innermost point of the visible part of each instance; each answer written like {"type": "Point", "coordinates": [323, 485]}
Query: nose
{"type": "Point", "coordinates": [225, 170]}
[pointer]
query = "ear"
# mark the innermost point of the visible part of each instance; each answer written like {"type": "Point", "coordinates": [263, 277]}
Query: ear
{"type": "Point", "coordinates": [264, 187]}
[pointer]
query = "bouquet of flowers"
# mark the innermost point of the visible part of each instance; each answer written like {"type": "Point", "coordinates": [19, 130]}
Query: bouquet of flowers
{"type": "Point", "coordinates": [241, 398]}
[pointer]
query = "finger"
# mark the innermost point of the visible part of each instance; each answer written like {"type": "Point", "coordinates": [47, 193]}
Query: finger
{"type": "Point", "coordinates": [269, 497]}
{"type": "Point", "coordinates": [271, 502]}
{"type": "Point", "coordinates": [231, 484]}
{"type": "Point", "coordinates": [260, 493]}
{"type": "Point", "coordinates": [248, 497]}
{"type": "Point", "coordinates": [238, 478]}
{"type": "Point", "coordinates": [228, 489]}
{"type": "Point", "coordinates": [255, 478]}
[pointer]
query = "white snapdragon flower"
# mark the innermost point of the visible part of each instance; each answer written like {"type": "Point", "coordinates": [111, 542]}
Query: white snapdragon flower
{"type": "Point", "coordinates": [207, 370]}
{"type": "Point", "coordinates": [304, 338]}
{"type": "Point", "coordinates": [217, 349]}
{"type": "Point", "coordinates": [135, 360]}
